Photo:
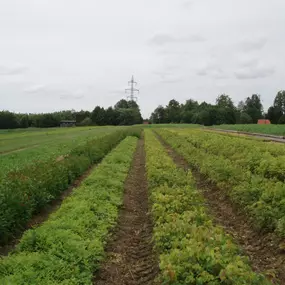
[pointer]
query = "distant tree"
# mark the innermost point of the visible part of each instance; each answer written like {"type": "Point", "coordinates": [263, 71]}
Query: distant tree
{"type": "Point", "coordinates": [112, 116]}
{"type": "Point", "coordinates": [190, 105]}
{"type": "Point", "coordinates": [128, 112]}
{"type": "Point", "coordinates": [225, 101]}
{"type": "Point", "coordinates": [174, 111]}
{"type": "Point", "coordinates": [240, 106]}
{"type": "Point", "coordinates": [23, 121]}
{"type": "Point", "coordinates": [86, 122]}
{"type": "Point", "coordinates": [253, 107]}
{"type": "Point", "coordinates": [245, 118]}
{"type": "Point", "coordinates": [82, 115]}
{"type": "Point", "coordinates": [279, 101]}
{"type": "Point", "coordinates": [274, 114]}
{"type": "Point", "coordinates": [8, 120]}
{"type": "Point", "coordinates": [159, 115]}
{"type": "Point", "coordinates": [98, 116]}
{"type": "Point", "coordinates": [282, 120]}
{"type": "Point", "coordinates": [122, 104]}
{"type": "Point", "coordinates": [132, 104]}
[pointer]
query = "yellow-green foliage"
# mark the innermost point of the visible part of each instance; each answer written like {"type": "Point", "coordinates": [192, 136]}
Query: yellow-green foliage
{"type": "Point", "coordinates": [191, 249]}
{"type": "Point", "coordinates": [251, 171]}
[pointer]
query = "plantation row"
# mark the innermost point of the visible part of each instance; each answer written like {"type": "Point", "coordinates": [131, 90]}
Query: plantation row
{"type": "Point", "coordinates": [252, 172]}
{"type": "Point", "coordinates": [264, 159]}
{"type": "Point", "coordinates": [191, 249]}
{"type": "Point", "coordinates": [69, 247]}
{"type": "Point", "coordinates": [26, 191]}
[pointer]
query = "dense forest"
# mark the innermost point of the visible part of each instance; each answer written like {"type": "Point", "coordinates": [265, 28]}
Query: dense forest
{"type": "Point", "coordinates": [223, 112]}
{"type": "Point", "coordinates": [128, 113]}
{"type": "Point", "coordinates": [123, 113]}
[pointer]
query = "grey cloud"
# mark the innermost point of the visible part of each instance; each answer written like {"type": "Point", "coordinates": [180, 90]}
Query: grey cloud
{"type": "Point", "coordinates": [171, 80]}
{"type": "Point", "coordinates": [212, 71]}
{"type": "Point", "coordinates": [253, 68]}
{"type": "Point", "coordinates": [187, 4]}
{"type": "Point", "coordinates": [253, 44]}
{"type": "Point", "coordinates": [163, 39]}
{"type": "Point", "coordinates": [71, 97]}
{"type": "Point", "coordinates": [168, 77]}
{"type": "Point", "coordinates": [45, 91]}
{"type": "Point", "coordinates": [35, 89]}
{"type": "Point", "coordinates": [6, 70]}
{"type": "Point", "coordinates": [254, 73]}
{"type": "Point", "coordinates": [162, 74]}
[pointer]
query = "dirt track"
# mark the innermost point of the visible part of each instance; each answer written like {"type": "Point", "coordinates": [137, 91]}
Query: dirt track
{"type": "Point", "coordinates": [130, 256]}
{"type": "Point", "coordinates": [262, 249]}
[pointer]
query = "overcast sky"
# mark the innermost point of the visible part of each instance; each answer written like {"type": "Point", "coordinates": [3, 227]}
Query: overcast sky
{"type": "Point", "coordinates": [76, 54]}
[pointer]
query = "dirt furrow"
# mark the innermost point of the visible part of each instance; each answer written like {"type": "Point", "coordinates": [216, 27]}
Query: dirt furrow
{"type": "Point", "coordinates": [130, 256]}
{"type": "Point", "coordinates": [263, 249]}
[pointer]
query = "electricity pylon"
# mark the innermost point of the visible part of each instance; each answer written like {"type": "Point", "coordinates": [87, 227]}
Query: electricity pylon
{"type": "Point", "coordinates": [132, 90]}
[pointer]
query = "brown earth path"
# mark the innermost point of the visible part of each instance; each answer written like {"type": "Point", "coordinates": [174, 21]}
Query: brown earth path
{"type": "Point", "coordinates": [131, 259]}
{"type": "Point", "coordinates": [263, 249]}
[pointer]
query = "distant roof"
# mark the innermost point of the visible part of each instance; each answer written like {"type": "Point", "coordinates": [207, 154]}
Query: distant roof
{"type": "Point", "coordinates": [67, 121]}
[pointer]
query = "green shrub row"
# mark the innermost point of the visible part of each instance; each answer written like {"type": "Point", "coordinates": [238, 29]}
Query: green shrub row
{"type": "Point", "coordinates": [192, 250]}
{"type": "Point", "coordinates": [263, 199]}
{"type": "Point", "coordinates": [26, 191]}
{"type": "Point", "coordinates": [264, 159]}
{"type": "Point", "coordinates": [69, 246]}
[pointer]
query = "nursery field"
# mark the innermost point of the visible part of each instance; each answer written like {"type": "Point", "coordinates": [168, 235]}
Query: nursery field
{"type": "Point", "coordinates": [162, 205]}
{"type": "Point", "coordinates": [278, 130]}
{"type": "Point", "coordinates": [20, 148]}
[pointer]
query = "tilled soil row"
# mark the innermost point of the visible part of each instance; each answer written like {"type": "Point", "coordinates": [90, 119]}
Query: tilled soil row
{"type": "Point", "coordinates": [130, 256]}
{"type": "Point", "coordinates": [263, 249]}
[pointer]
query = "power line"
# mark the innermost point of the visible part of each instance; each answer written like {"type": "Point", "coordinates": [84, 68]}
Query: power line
{"type": "Point", "coordinates": [132, 90]}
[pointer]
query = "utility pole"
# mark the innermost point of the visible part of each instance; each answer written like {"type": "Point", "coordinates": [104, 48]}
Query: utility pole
{"type": "Point", "coordinates": [132, 90]}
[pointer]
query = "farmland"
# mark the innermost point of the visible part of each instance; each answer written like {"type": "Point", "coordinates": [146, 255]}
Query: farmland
{"type": "Point", "coordinates": [163, 205]}
{"type": "Point", "coordinates": [278, 130]}
{"type": "Point", "coordinates": [20, 148]}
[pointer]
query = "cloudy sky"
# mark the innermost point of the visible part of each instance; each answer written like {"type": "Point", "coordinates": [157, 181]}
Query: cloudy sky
{"type": "Point", "coordinates": [64, 54]}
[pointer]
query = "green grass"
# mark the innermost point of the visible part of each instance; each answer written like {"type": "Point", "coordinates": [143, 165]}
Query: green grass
{"type": "Point", "coordinates": [278, 130]}
{"type": "Point", "coordinates": [19, 149]}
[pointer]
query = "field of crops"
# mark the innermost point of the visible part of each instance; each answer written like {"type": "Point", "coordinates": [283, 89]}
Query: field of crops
{"type": "Point", "coordinates": [20, 148]}
{"type": "Point", "coordinates": [144, 215]}
{"type": "Point", "coordinates": [278, 130]}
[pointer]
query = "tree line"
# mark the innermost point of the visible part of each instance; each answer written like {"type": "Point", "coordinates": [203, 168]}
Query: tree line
{"type": "Point", "coordinates": [126, 112]}
{"type": "Point", "coordinates": [123, 113]}
{"type": "Point", "coordinates": [248, 111]}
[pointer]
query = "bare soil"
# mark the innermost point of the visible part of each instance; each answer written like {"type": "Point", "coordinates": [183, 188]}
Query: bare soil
{"type": "Point", "coordinates": [131, 259]}
{"type": "Point", "coordinates": [43, 215]}
{"type": "Point", "coordinates": [263, 249]}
